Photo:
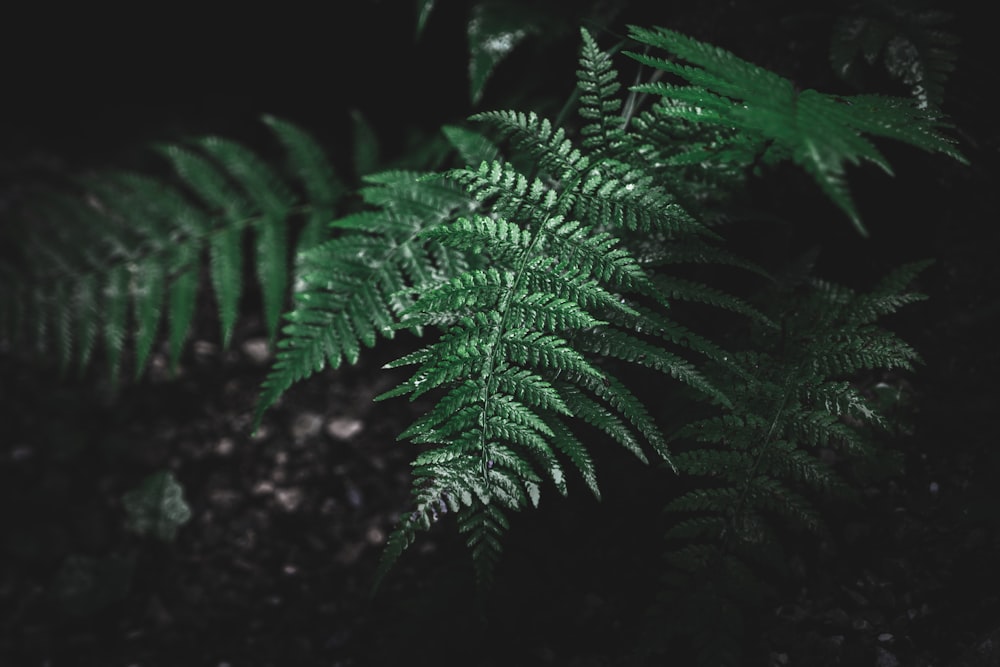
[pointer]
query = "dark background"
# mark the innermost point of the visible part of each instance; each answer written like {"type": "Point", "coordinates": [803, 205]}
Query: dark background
{"type": "Point", "coordinates": [251, 583]}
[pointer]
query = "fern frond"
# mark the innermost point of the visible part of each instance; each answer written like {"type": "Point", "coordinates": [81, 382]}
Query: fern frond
{"type": "Point", "coordinates": [599, 105]}
{"type": "Point", "coordinates": [686, 290]}
{"type": "Point", "coordinates": [633, 199]}
{"type": "Point", "coordinates": [322, 189]}
{"type": "Point", "coordinates": [510, 193]}
{"type": "Point", "coordinates": [353, 288]}
{"type": "Point", "coordinates": [483, 524]}
{"type": "Point", "coordinates": [819, 132]}
{"type": "Point", "coordinates": [865, 349]}
{"type": "Point", "coordinates": [578, 245]}
{"type": "Point", "coordinates": [132, 246]}
{"type": "Point", "coordinates": [760, 461]}
{"type": "Point", "coordinates": [912, 45]}
{"type": "Point", "coordinates": [473, 147]}
{"type": "Point", "coordinates": [504, 240]}
{"type": "Point", "coordinates": [526, 339]}
{"type": "Point", "coordinates": [542, 141]}
{"type": "Point", "coordinates": [273, 199]}
{"type": "Point", "coordinates": [508, 363]}
{"type": "Point", "coordinates": [615, 343]}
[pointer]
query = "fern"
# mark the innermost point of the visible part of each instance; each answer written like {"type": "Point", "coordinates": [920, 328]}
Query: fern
{"type": "Point", "coordinates": [525, 342]}
{"type": "Point", "coordinates": [123, 250]}
{"type": "Point", "coordinates": [911, 43]}
{"type": "Point", "coordinates": [768, 120]}
{"type": "Point", "coordinates": [581, 251]}
{"type": "Point", "coordinates": [352, 288]}
{"type": "Point", "coordinates": [763, 466]}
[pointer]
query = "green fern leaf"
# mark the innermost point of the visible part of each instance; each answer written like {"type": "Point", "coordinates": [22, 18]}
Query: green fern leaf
{"type": "Point", "coordinates": [483, 525]}
{"type": "Point", "coordinates": [599, 105]}
{"type": "Point", "coordinates": [818, 132]}
{"type": "Point", "coordinates": [323, 190]}
{"type": "Point", "coordinates": [271, 197]}
{"type": "Point", "coordinates": [354, 288]}
{"type": "Point", "coordinates": [473, 147]}
{"type": "Point", "coordinates": [86, 306]}
{"type": "Point", "coordinates": [912, 45]}
{"type": "Point", "coordinates": [615, 343]}
{"type": "Point", "coordinates": [226, 261]}
{"type": "Point", "coordinates": [64, 330]}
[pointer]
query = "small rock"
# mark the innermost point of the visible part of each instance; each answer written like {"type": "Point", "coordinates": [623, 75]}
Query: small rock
{"type": "Point", "coordinates": [328, 506]}
{"type": "Point", "coordinates": [350, 553]}
{"type": "Point", "coordinates": [204, 350]}
{"type": "Point", "coordinates": [861, 624]}
{"type": "Point", "coordinates": [263, 488]}
{"type": "Point", "coordinates": [257, 349]}
{"type": "Point", "coordinates": [344, 428]}
{"type": "Point", "coordinates": [224, 498]}
{"type": "Point", "coordinates": [158, 368]}
{"type": "Point", "coordinates": [225, 446]}
{"type": "Point", "coordinates": [288, 499]}
{"type": "Point", "coordinates": [22, 453]}
{"type": "Point", "coordinates": [354, 497]}
{"type": "Point", "coordinates": [856, 597]}
{"type": "Point", "coordinates": [306, 425]}
{"type": "Point", "coordinates": [884, 658]}
{"type": "Point", "coordinates": [375, 536]}
{"type": "Point", "coordinates": [838, 618]}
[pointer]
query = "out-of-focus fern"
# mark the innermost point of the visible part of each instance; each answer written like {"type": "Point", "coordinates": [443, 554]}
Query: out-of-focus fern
{"type": "Point", "coordinates": [801, 422]}
{"type": "Point", "coordinates": [910, 41]}
{"type": "Point", "coordinates": [111, 256]}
